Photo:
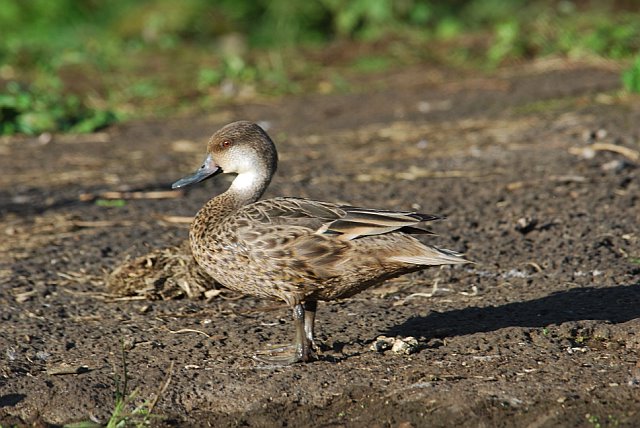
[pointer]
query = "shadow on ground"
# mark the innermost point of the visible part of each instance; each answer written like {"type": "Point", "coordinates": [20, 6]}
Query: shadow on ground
{"type": "Point", "coordinates": [616, 304]}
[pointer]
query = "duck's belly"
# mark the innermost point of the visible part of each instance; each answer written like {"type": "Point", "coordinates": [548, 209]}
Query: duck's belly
{"type": "Point", "coordinates": [261, 284]}
{"type": "Point", "coordinates": [356, 281]}
{"type": "Point", "coordinates": [238, 268]}
{"type": "Point", "coordinates": [233, 266]}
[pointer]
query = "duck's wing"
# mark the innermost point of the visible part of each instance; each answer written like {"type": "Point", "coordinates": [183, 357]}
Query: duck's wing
{"type": "Point", "coordinates": [358, 222]}
{"type": "Point", "coordinates": [341, 221]}
{"type": "Point", "coordinates": [293, 252]}
{"type": "Point", "coordinates": [292, 211]}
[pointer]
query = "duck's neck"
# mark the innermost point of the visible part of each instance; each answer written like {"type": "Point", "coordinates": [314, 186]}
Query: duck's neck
{"type": "Point", "coordinates": [247, 188]}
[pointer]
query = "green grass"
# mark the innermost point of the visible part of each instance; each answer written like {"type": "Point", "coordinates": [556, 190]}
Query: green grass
{"type": "Point", "coordinates": [372, 63]}
{"type": "Point", "coordinates": [593, 420]}
{"type": "Point", "coordinates": [631, 77]}
{"type": "Point", "coordinates": [117, 203]}
{"type": "Point", "coordinates": [69, 66]}
{"type": "Point", "coordinates": [37, 109]}
{"type": "Point", "coordinates": [128, 410]}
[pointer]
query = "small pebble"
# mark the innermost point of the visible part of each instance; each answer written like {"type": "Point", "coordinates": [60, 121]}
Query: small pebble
{"type": "Point", "coordinates": [616, 165]}
{"type": "Point", "coordinates": [406, 345]}
{"type": "Point", "coordinates": [525, 225]}
{"type": "Point", "coordinates": [45, 138]}
{"type": "Point", "coordinates": [398, 345]}
{"type": "Point", "coordinates": [601, 134]}
{"type": "Point", "coordinates": [381, 344]}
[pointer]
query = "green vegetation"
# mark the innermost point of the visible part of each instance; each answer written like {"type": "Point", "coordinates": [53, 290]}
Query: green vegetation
{"type": "Point", "coordinates": [126, 412]}
{"type": "Point", "coordinates": [631, 77]}
{"type": "Point", "coordinates": [117, 203]}
{"type": "Point", "coordinates": [593, 420]}
{"type": "Point", "coordinates": [612, 421]}
{"type": "Point", "coordinates": [37, 109]}
{"type": "Point", "coordinates": [77, 66]}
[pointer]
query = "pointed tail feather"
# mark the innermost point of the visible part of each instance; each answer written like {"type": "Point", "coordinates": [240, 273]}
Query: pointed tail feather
{"type": "Point", "coordinates": [358, 222]}
{"type": "Point", "coordinates": [432, 256]}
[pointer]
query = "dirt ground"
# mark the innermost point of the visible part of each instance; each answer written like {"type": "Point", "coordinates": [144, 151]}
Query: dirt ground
{"type": "Point", "coordinates": [536, 168]}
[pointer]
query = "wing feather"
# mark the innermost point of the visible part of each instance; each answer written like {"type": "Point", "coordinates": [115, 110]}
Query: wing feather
{"type": "Point", "coordinates": [343, 222]}
{"type": "Point", "coordinates": [284, 247]}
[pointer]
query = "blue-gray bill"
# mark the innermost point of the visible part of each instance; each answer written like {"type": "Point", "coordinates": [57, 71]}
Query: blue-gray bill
{"type": "Point", "coordinates": [206, 170]}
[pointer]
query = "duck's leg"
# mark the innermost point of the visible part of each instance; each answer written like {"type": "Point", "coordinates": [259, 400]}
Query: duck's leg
{"type": "Point", "coordinates": [303, 346]}
{"type": "Point", "coordinates": [310, 308]}
{"type": "Point", "coordinates": [299, 351]}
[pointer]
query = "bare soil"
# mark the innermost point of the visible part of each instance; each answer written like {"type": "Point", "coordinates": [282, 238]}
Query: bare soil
{"type": "Point", "coordinates": [535, 167]}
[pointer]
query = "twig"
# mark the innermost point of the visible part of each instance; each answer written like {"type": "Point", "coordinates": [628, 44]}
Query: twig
{"type": "Point", "coordinates": [415, 173]}
{"type": "Point", "coordinates": [94, 294]}
{"type": "Point", "coordinates": [473, 292]}
{"type": "Point", "coordinates": [568, 178]}
{"type": "Point", "coordinates": [624, 151]}
{"type": "Point", "coordinates": [534, 265]}
{"type": "Point", "coordinates": [101, 223]}
{"type": "Point", "coordinates": [126, 299]}
{"type": "Point", "coordinates": [188, 330]}
{"type": "Point", "coordinates": [632, 155]}
{"type": "Point", "coordinates": [434, 290]}
{"type": "Point", "coordinates": [153, 194]}
{"type": "Point", "coordinates": [177, 219]}
{"type": "Point", "coordinates": [162, 389]}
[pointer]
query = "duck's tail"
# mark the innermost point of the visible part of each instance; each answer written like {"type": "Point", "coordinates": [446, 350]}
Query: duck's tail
{"type": "Point", "coordinates": [431, 256]}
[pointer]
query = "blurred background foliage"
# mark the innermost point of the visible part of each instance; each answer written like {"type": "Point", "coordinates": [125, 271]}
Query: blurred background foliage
{"type": "Point", "coordinates": [79, 65]}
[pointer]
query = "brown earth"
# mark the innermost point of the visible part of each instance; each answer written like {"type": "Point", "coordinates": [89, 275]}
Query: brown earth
{"type": "Point", "coordinates": [536, 168]}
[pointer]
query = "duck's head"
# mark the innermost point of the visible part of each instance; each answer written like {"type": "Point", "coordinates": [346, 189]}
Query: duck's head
{"type": "Point", "coordinates": [241, 148]}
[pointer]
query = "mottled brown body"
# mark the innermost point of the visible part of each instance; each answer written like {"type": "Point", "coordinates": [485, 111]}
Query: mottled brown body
{"type": "Point", "coordinates": [264, 250]}
{"type": "Point", "coordinates": [293, 249]}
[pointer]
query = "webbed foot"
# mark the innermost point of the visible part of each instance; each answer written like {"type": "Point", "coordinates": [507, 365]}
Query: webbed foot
{"type": "Point", "coordinates": [299, 351]}
{"type": "Point", "coordinates": [284, 354]}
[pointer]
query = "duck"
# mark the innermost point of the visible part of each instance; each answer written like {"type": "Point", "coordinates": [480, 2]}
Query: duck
{"type": "Point", "coordinates": [296, 250]}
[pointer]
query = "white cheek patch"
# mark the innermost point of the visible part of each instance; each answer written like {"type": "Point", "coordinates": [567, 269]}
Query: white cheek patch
{"type": "Point", "coordinates": [247, 167]}
{"type": "Point", "coordinates": [245, 164]}
{"type": "Point", "coordinates": [239, 161]}
{"type": "Point", "coordinates": [246, 180]}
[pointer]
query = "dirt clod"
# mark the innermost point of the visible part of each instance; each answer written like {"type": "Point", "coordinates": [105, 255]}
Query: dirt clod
{"type": "Point", "coordinates": [166, 273]}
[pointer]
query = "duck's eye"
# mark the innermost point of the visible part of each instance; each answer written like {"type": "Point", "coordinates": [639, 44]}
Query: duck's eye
{"type": "Point", "coordinates": [226, 144]}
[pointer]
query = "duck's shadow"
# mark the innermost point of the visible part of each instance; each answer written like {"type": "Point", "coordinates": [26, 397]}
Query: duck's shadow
{"type": "Point", "coordinates": [614, 304]}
